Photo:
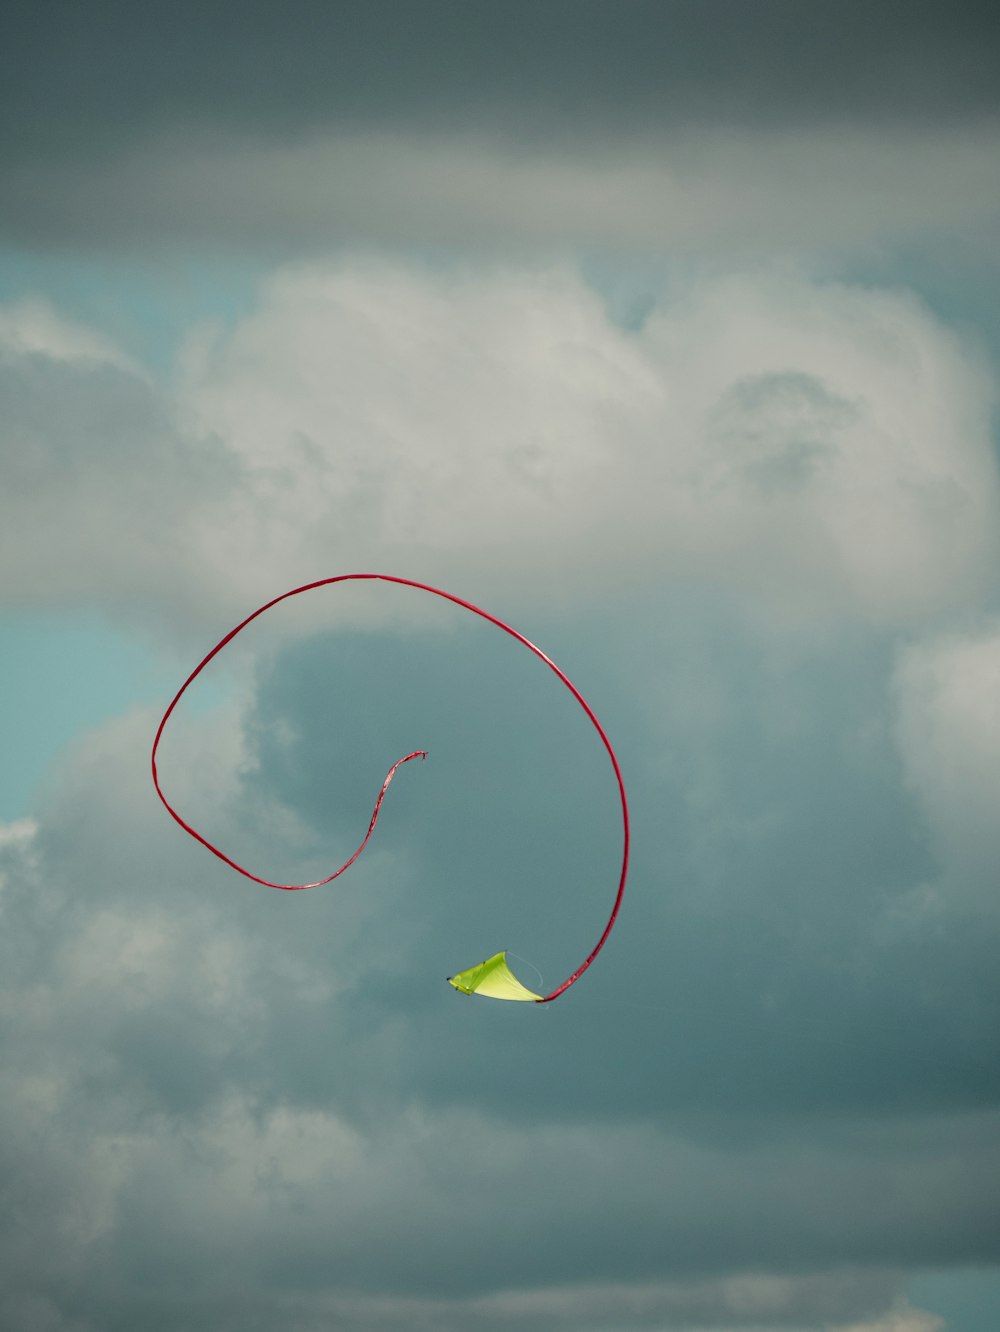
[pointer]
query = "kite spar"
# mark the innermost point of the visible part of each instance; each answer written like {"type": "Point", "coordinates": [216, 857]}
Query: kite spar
{"type": "Point", "coordinates": [492, 978]}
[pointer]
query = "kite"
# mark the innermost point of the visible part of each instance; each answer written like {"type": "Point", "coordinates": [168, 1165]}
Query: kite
{"type": "Point", "coordinates": [493, 977]}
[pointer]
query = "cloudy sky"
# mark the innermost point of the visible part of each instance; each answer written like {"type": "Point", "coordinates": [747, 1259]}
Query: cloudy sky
{"type": "Point", "coordinates": [667, 331]}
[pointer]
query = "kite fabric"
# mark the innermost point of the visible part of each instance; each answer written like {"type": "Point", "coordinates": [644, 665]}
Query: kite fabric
{"type": "Point", "coordinates": [492, 978]}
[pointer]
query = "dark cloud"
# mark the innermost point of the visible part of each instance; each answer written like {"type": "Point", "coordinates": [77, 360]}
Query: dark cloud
{"type": "Point", "coordinates": [754, 957]}
{"type": "Point", "coordinates": [580, 122]}
{"type": "Point", "coordinates": [221, 1098]}
{"type": "Point", "coordinates": [76, 78]}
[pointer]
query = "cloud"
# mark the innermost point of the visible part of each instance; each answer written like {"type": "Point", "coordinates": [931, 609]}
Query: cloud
{"type": "Point", "coordinates": [901, 1320]}
{"type": "Point", "coordinates": [32, 327]}
{"type": "Point", "coordinates": [230, 1104]}
{"type": "Point", "coordinates": [621, 69]}
{"type": "Point", "coordinates": [99, 488]}
{"type": "Point", "coordinates": [658, 128]}
{"type": "Point", "coordinates": [757, 524]}
{"type": "Point", "coordinates": [826, 447]}
{"type": "Point", "coordinates": [742, 191]}
{"type": "Point", "coordinates": [775, 848]}
{"type": "Point", "coordinates": [948, 692]}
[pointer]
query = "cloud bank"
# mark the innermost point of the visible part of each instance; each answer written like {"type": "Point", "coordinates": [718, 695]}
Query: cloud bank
{"type": "Point", "coordinates": [822, 449]}
{"type": "Point", "coordinates": [634, 126]}
{"type": "Point", "coordinates": [232, 1108]}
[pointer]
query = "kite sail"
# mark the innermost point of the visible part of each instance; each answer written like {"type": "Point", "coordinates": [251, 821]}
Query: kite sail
{"type": "Point", "coordinates": [492, 978]}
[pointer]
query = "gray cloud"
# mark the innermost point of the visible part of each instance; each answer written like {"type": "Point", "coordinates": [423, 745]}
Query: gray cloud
{"type": "Point", "coordinates": [758, 525]}
{"type": "Point", "coordinates": [773, 1096]}
{"type": "Point", "coordinates": [697, 192]}
{"type": "Point", "coordinates": [100, 485]}
{"type": "Point", "coordinates": [822, 448]}
{"type": "Point", "coordinates": [822, 955]}
{"type": "Point", "coordinates": [521, 71]}
{"type": "Point", "coordinates": [636, 125]}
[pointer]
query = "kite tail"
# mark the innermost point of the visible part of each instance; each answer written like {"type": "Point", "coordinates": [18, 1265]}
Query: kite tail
{"type": "Point", "coordinates": [285, 887]}
{"type": "Point", "coordinates": [417, 753]}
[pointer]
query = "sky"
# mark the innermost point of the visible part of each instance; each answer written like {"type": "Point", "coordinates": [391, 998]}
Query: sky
{"type": "Point", "coordinates": [668, 333]}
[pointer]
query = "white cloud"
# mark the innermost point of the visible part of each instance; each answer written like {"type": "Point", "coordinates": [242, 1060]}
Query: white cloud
{"type": "Point", "coordinates": [19, 836]}
{"type": "Point", "coordinates": [20, 831]}
{"type": "Point", "coordinates": [824, 450]}
{"type": "Point", "coordinates": [839, 443]}
{"type": "Point", "coordinates": [902, 1319]}
{"type": "Point", "coordinates": [826, 447]}
{"type": "Point", "coordinates": [34, 326]}
{"type": "Point", "coordinates": [948, 729]}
